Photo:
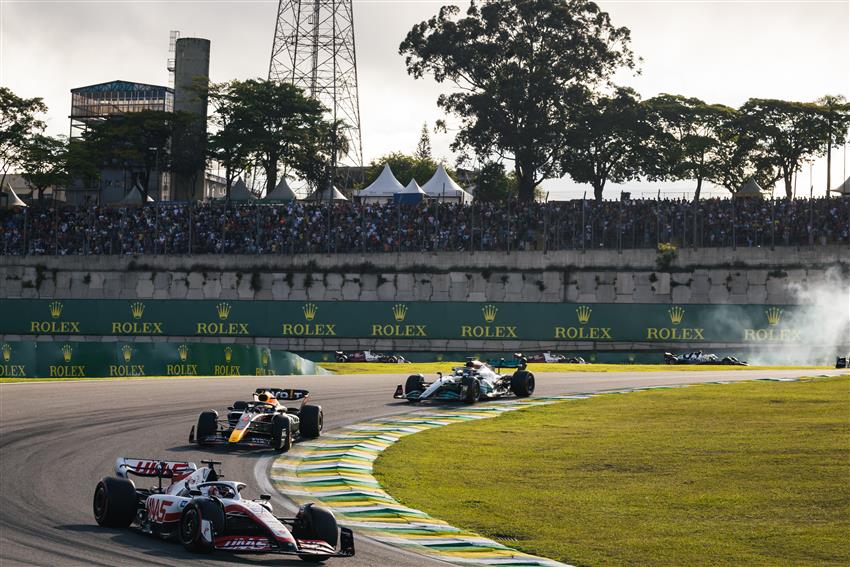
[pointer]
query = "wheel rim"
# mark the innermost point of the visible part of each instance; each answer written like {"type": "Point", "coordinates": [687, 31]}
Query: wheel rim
{"type": "Point", "coordinates": [531, 384]}
{"type": "Point", "coordinates": [321, 421]}
{"type": "Point", "coordinates": [189, 525]}
{"type": "Point", "coordinates": [100, 501]}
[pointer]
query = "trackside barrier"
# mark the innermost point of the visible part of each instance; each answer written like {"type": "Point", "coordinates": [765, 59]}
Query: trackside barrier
{"type": "Point", "coordinates": [73, 359]}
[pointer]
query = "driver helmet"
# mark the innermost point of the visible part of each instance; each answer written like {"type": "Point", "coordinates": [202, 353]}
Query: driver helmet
{"type": "Point", "coordinates": [266, 397]}
{"type": "Point", "coordinates": [220, 491]}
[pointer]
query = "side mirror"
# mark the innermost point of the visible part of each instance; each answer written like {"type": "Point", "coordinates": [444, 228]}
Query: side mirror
{"type": "Point", "coordinates": [265, 497]}
{"type": "Point", "coordinates": [439, 374]}
{"type": "Point", "coordinates": [194, 492]}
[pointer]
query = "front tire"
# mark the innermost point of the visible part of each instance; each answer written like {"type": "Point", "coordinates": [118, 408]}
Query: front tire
{"type": "Point", "coordinates": [316, 523]}
{"type": "Point", "coordinates": [191, 525]}
{"type": "Point", "coordinates": [522, 383]}
{"type": "Point", "coordinates": [115, 502]}
{"type": "Point", "coordinates": [415, 383]}
{"type": "Point", "coordinates": [312, 421]}
{"type": "Point", "coordinates": [207, 426]}
{"type": "Point", "coordinates": [473, 390]}
{"type": "Point", "coordinates": [281, 434]}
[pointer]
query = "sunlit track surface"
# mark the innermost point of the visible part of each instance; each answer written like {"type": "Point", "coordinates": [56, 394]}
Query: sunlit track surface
{"type": "Point", "coordinates": [58, 439]}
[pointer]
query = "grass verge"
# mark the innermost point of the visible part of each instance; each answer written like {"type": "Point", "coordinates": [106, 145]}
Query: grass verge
{"type": "Point", "coordinates": [744, 473]}
{"type": "Point", "coordinates": [434, 367]}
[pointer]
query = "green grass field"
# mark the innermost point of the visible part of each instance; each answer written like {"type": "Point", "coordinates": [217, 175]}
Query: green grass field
{"type": "Point", "coordinates": [434, 367]}
{"type": "Point", "coordinates": [750, 473]}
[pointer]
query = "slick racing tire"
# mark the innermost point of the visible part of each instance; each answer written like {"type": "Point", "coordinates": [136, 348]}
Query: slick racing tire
{"type": "Point", "coordinates": [207, 425]}
{"type": "Point", "coordinates": [522, 383]}
{"type": "Point", "coordinates": [316, 523]}
{"type": "Point", "coordinates": [415, 383]}
{"type": "Point", "coordinates": [473, 390]}
{"type": "Point", "coordinates": [190, 529]}
{"type": "Point", "coordinates": [281, 433]}
{"type": "Point", "coordinates": [341, 358]}
{"type": "Point", "coordinates": [115, 502]}
{"type": "Point", "coordinates": [312, 421]}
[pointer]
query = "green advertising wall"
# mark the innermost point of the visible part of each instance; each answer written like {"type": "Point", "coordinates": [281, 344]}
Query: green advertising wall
{"type": "Point", "coordinates": [409, 320]}
{"type": "Point", "coordinates": [85, 360]}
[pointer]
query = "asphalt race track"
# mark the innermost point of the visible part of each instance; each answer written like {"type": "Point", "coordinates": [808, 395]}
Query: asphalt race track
{"type": "Point", "coordinates": [58, 439]}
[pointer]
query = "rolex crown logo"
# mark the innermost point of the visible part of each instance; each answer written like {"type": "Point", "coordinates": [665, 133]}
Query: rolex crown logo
{"type": "Point", "coordinates": [183, 352]}
{"type": "Point", "coordinates": [55, 309]}
{"type": "Point", "coordinates": [7, 352]}
{"type": "Point", "coordinates": [223, 310]}
{"type": "Point", "coordinates": [127, 352]}
{"type": "Point", "coordinates": [67, 351]}
{"type": "Point", "coordinates": [489, 312]}
{"type": "Point", "coordinates": [228, 354]}
{"type": "Point", "coordinates": [583, 312]}
{"type": "Point", "coordinates": [774, 314]}
{"type": "Point", "coordinates": [137, 309]}
{"type": "Point", "coordinates": [676, 314]}
{"type": "Point", "coordinates": [399, 312]}
{"type": "Point", "coordinates": [309, 310]}
{"type": "Point", "coordinates": [265, 358]}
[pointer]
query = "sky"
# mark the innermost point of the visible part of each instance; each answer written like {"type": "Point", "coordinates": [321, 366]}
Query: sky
{"type": "Point", "coordinates": [719, 51]}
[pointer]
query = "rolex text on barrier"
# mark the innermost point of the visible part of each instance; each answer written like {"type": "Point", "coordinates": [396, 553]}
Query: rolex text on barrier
{"type": "Point", "coordinates": [330, 320]}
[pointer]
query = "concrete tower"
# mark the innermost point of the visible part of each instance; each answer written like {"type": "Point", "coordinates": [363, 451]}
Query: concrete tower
{"type": "Point", "coordinates": [191, 75]}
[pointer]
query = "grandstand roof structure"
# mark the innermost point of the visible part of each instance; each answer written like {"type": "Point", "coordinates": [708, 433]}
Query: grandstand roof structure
{"type": "Point", "coordinates": [283, 192]}
{"type": "Point", "coordinates": [385, 186]}
{"type": "Point", "coordinates": [96, 102]}
{"type": "Point", "coordinates": [442, 186]}
{"type": "Point", "coordinates": [751, 190]}
{"type": "Point", "coordinates": [134, 197]}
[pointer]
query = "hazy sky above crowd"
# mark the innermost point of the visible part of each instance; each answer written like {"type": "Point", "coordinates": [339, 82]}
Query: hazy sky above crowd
{"type": "Point", "coordinates": [719, 51]}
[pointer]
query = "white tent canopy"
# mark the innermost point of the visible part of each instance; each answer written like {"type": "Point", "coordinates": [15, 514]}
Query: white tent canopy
{"type": "Point", "coordinates": [844, 188]}
{"type": "Point", "coordinates": [384, 187]}
{"type": "Point", "coordinates": [9, 199]}
{"type": "Point", "coordinates": [443, 187]}
{"type": "Point", "coordinates": [283, 192]}
{"type": "Point", "coordinates": [322, 195]}
{"type": "Point", "coordinates": [412, 188]}
{"type": "Point", "coordinates": [750, 189]}
{"type": "Point", "coordinates": [239, 192]}
{"type": "Point", "coordinates": [134, 197]}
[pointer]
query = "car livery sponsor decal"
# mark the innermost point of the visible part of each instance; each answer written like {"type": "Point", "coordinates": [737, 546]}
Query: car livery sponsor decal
{"type": "Point", "coordinates": [243, 543]}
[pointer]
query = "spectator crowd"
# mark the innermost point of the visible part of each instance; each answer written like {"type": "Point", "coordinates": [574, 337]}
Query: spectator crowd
{"type": "Point", "coordinates": [298, 228]}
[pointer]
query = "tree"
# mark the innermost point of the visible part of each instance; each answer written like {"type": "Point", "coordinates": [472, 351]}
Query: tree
{"type": "Point", "coordinates": [836, 113]}
{"type": "Point", "coordinates": [19, 123]}
{"type": "Point", "coordinates": [739, 157]}
{"type": "Point", "coordinates": [136, 142]}
{"type": "Point", "coordinates": [520, 67]}
{"type": "Point", "coordinates": [45, 163]}
{"type": "Point", "coordinates": [783, 134]}
{"type": "Point", "coordinates": [688, 135]}
{"type": "Point", "coordinates": [281, 121]}
{"type": "Point", "coordinates": [608, 141]}
{"type": "Point", "coordinates": [423, 148]}
{"type": "Point", "coordinates": [493, 184]}
{"type": "Point", "coordinates": [405, 167]}
{"type": "Point", "coordinates": [231, 142]}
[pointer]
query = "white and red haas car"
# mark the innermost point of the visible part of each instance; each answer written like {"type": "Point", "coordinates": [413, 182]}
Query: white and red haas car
{"type": "Point", "coordinates": [205, 513]}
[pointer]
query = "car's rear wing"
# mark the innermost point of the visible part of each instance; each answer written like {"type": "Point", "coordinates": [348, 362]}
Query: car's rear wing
{"type": "Point", "coordinates": [152, 467]}
{"type": "Point", "coordinates": [282, 394]}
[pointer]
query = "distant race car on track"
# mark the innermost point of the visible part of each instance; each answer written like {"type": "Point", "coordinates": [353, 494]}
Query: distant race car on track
{"type": "Point", "coordinates": [367, 356]}
{"type": "Point", "coordinates": [263, 422]}
{"type": "Point", "coordinates": [841, 361]}
{"type": "Point", "coordinates": [549, 357]}
{"type": "Point", "coordinates": [474, 381]}
{"type": "Point", "coordinates": [206, 513]}
{"type": "Point", "coordinates": [699, 357]}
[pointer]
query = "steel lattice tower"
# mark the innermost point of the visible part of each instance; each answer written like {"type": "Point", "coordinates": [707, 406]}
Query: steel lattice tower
{"type": "Point", "coordinates": [314, 49]}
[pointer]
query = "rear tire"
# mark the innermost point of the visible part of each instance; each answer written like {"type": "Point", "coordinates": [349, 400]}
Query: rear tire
{"type": "Point", "coordinates": [207, 425]}
{"type": "Point", "coordinates": [191, 524]}
{"type": "Point", "coordinates": [316, 523]}
{"type": "Point", "coordinates": [415, 383]}
{"type": "Point", "coordinates": [473, 390]}
{"type": "Point", "coordinates": [115, 502]}
{"type": "Point", "coordinates": [312, 421]}
{"type": "Point", "coordinates": [522, 383]}
{"type": "Point", "coordinates": [281, 434]}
